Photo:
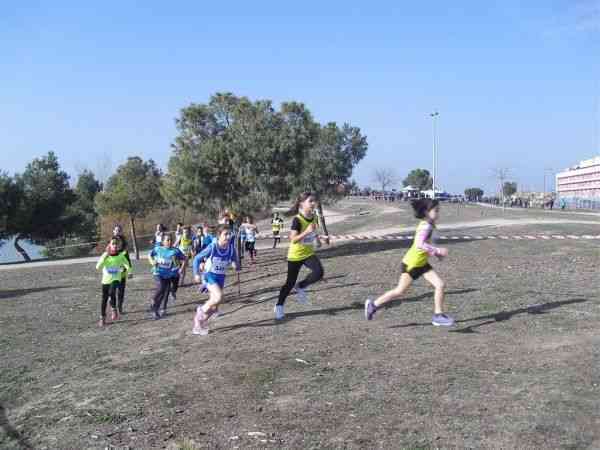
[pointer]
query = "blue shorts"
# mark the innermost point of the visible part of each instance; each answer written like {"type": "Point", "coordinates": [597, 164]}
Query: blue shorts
{"type": "Point", "coordinates": [213, 278]}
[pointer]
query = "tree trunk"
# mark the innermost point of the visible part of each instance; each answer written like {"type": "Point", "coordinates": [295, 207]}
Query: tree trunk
{"type": "Point", "coordinates": [134, 238]}
{"type": "Point", "coordinates": [322, 217]}
{"type": "Point", "coordinates": [20, 249]}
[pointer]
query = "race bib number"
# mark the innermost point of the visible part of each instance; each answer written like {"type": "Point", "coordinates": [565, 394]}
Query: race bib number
{"type": "Point", "coordinates": [219, 266]}
{"type": "Point", "coordinates": [310, 238]}
{"type": "Point", "coordinates": [113, 270]}
{"type": "Point", "coordinates": [164, 263]}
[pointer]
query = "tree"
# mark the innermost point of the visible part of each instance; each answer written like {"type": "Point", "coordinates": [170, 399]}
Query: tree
{"type": "Point", "coordinates": [419, 179]}
{"type": "Point", "coordinates": [385, 178]}
{"type": "Point", "coordinates": [473, 194]}
{"type": "Point", "coordinates": [44, 211]}
{"type": "Point", "coordinates": [509, 188]}
{"type": "Point", "coordinates": [133, 190]}
{"type": "Point", "coordinates": [85, 230]}
{"type": "Point", "coordinates": [86, 189]}
{"type": "Point", "coordinates": [10, 198]}
{"type": "Point", "coordinates": [236, 153]}
{"type": "Point", "coordinates": [330, 162]}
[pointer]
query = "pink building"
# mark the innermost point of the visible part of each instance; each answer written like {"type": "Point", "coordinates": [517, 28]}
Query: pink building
{"type": "Point", "coordinates": [579, 186]}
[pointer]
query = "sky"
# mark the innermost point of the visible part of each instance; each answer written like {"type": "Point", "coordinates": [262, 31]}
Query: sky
{"type": "Point", "coordinates": [516, 83]}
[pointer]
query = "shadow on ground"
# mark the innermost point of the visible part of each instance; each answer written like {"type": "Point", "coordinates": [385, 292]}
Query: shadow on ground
{"type": "Point", "coordinates": [12, 432]}
{"type": "Point", "coordinates": [14, 293]}
{"type": "Point", "coordinates": [500, 316]}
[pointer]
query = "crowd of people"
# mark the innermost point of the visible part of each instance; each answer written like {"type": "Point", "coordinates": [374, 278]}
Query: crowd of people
{"type": "Point", "coordinates": [212, 250]}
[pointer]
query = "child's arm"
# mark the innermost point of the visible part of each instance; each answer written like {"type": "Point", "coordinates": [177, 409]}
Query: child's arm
{"type": "Point", "coordinates": [151, 256]}
{"type": "Point", "coordinates": [127, 264]}
{"type": "Point", "coordinates": [234, 260]}
{"type": "Point", "coordinates": [100, 264]}
{"type": "Point", "coordinates": [422, 244]}
{"type": "Point", "coordinates": [199, 259]}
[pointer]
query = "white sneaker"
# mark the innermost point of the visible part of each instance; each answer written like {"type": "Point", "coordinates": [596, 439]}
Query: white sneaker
{"type": "Point", "coordinates": [279, 313]}
{"type": "Point", "coordinates": [301, 295]}
{"type": "Point", "coordinates": [200, 331]}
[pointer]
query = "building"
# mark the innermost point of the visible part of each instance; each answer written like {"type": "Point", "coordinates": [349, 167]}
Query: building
{"type": "Point", "coordinates": [579, 186]}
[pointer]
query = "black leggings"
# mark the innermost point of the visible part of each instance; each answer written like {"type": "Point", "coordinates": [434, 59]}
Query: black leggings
{"type": "Point", "coordinates": [109, 290]}
{"type": "Point", "coordinates": [316, 274]}
{"type": "Point", "coordinates": [121, 293]}
{"type": "Point", "coordinates": [161, 292]}
{"type": "Point", "coordinates": [251, 248]}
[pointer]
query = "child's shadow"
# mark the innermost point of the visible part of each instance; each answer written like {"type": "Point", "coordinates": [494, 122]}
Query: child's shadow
{"type": "Point", "coordinates": [12, 432]}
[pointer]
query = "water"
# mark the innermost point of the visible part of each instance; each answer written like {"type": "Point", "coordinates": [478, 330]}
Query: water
{"type": "Point", "coordinates": [8, 253]}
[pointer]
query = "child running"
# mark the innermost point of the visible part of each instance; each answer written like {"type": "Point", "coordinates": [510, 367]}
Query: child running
{"type": "Point", "coordinates": [303, 236]}
{"type": "Point", "coordinates": [113, 264]}
{"type": "Point", "coordinates": [218, 256]}
{"type": "Point", "coordinates": [250, 230]}
{"type": "Point", "coordinates": [167, 262]}
{"type": "Point", "coordinates": [118, 233]}
{"type": "Point", "coordinates": [158, 235]}
{"type": "Point", "coordinates": [415, 264]}
{"type": "Point", "coordinates": [276, 227]}
{"type": "Point", "coordinates": [197, 241]}
{"type": "Point", "coordinates": [186, 245]}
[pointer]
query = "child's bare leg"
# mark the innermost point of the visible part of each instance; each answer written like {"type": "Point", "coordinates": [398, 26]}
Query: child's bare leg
{"type": "Point", "coordinates": [439, 286]}
{"type": "Point", "coordinates": [216, 295]}
{"type": "Point", "coordinates": [398, 291]}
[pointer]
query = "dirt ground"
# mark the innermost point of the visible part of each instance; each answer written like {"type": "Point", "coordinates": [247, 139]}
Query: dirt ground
{"type": "Point", "coordinates": [521, 369]}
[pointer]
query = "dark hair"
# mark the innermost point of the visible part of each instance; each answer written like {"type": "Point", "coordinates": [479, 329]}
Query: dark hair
{"type": "Point", "coordinates": [422, 206]}
{"type": "Point", "coordinates": [165, 236]}
{"type": "Point", "coordinates": [180, 224]}
{"type": "Point", "coordinates": [222, 228]}
{"type": "Point", "coordinates": [161, 227]}
{"type": "Point", "coordinates": [301, 199]}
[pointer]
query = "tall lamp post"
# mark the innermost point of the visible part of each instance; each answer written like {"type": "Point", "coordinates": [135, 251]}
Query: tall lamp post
{"type": "Point", "coordinates": [546, 170]}
{"type": "Point", "coordinates": [434, 115]}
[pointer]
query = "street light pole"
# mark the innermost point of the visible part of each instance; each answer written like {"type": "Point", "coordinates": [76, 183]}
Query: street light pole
{"type": "Point", "coordinates": [434, 115]}
{"type": "Point", "coordinates": [544, 194]}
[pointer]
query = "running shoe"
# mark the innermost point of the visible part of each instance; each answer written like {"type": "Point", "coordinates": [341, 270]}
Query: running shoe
{"type": "Point", "coordinates": [155, 315]}
{"type": "Point", "coordinates": [200, 323]}
{"type": "Point", "coordinates": [121, 311]}
{"type": "Point", "coordinates": [301, 296]}
{"type": "Point", "coordinates": [279, 313]}
{"type": "Point", "coordinates": [114, 315]}
{"type": "Point", "coordinates": [442, 320]}
{"type": "Point", "coordinates": [174, 296]}
{"type": "Point", "coordinates": [217, 314]}
{"type": "Point", "coordinates": [102, 322]}
{"type": "Point", "coordinates": [199, 331]}
{"type": "Point", "coordinates": [370, 309]}
{"type": "Point", "coordinates": [163, 312]}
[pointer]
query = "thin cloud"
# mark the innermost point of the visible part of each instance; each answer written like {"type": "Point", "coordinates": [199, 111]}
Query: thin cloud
{"type": "Point", "coordinates": [578, 17]}
{"type": "Point", "coordinates": [588, 16]}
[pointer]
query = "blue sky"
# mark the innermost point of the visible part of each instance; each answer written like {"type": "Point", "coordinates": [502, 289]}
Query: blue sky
{"type": "Point", "coordinates": [516, 85]}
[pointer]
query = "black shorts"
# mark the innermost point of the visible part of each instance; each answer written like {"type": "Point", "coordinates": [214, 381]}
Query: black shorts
{"type": "Point", "coordinates": [250, 246]}
{"type": "Point", "coordinates": [416, 272]}
{"type": "Point", "coordinates": [275, 234]}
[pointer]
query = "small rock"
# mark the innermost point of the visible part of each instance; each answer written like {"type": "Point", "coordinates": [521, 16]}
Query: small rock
{"type": "Point", "coordinates": [179, 410]}
{"type": "Point", "coordinates": [234, 438]}
{"type": "Point", "coordinates": [94, 436]}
